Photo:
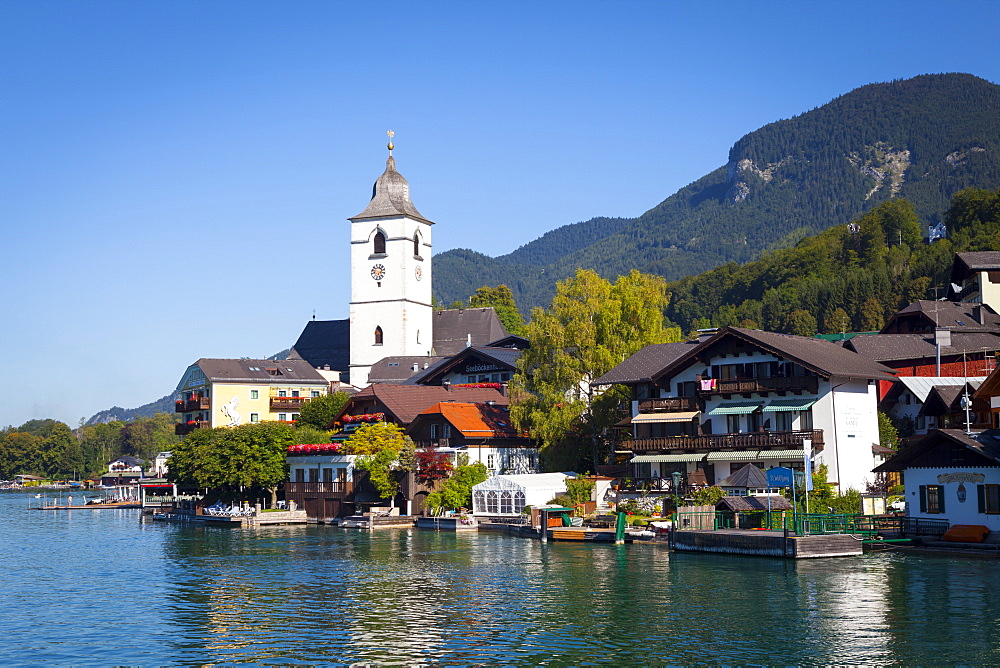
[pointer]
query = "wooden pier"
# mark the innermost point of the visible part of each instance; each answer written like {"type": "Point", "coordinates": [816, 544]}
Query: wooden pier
{"type": "Point", "coordinates": [766, 543]}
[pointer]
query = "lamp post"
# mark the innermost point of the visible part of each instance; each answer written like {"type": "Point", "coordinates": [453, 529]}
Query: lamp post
{"type": "Point", "coordinates": [676, 475]}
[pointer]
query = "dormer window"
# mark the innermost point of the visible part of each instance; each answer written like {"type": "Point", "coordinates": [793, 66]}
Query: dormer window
{"type": "Point", "coordinates": [378, 245]}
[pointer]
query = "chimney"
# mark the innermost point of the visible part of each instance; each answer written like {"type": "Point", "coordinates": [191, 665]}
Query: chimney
{"type": "Point", "coordinates": [977, 314]}
{"type": "Point", "coordinates": [446, 384]}
{"type": "Point", "coordinates": [416, 367]}
{"type": "Point", "coordinates": [503, 389]}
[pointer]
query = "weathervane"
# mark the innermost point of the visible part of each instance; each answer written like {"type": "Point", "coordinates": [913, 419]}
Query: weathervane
{"type": "Point", "coordinates": [391, 135]}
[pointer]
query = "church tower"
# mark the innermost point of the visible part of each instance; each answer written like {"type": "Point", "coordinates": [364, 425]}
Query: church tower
{"type": "Point", "coordinates": [391, 313]}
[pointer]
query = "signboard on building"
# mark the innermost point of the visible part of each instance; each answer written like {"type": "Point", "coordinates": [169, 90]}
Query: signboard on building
{"type": "Point", "coordinates": [779, 476]}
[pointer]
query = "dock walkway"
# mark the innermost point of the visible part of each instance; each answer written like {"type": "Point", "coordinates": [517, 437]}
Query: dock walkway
{"type": "Point", "coordinates": [766, 543]}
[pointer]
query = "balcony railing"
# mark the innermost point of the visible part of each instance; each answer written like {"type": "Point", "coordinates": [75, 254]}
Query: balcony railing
{"type": "Point", "coordinates": [631, 484]}
{"type": "Point", "coordinates": [757, 440]}
{"type": "Point", "coordinates": [191, 405]}
{"type": "Point", "coordinates": [668, 405]}
{"type": "Point", "coordinates": [750, 385]}
{"type": "Point", "coordinates": [288, 403]}
{"type": "Point", "coordinates": [334, 488]}
{"type": "Point", "coordinates": [185, 428]}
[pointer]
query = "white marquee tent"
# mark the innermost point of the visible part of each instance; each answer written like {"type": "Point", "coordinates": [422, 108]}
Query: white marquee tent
{"type": "Point", "coordinates": [509, 494]}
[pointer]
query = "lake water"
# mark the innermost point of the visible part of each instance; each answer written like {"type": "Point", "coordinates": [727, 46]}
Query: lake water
{"type": "Point", "coordinates": [105, 588]}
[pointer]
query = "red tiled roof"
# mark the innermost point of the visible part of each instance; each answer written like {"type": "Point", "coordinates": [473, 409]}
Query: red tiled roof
{"type": "Point", "coordinates": [405, 402]}
{"type": "Point", "coordinates": [475, 420]}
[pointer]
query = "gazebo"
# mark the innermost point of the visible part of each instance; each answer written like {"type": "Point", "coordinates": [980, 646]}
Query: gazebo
{"type": "Point", "coordinates": [509, 494]}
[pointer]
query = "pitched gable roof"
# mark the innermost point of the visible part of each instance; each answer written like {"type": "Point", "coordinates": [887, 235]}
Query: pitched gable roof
{"type": "Point", "coordinates": [981, 449]}
{"type": "Point", "coordinates": [455, 328]}
{"type": "Point", "coordinates": [405, 402]}
{"type": "Point", "coordinates": [748, 476]}
{"type": "Point", "coordinates": [890, 347]}
{"type": "Point", "coordinates": [505, 358]}
{"type": "Point", "coordinates": [399, 370]}
{"type": "Point", "coordinates": [639, 367]}
{"type": "Point", "coordinates": [474, 420]}
{"type": "Point", "coordinates": [956, 316]}
{"type": "Point", "coordinates": [259, 371]}
{"type": "Point", "coordinates": [325, 342]}
{"type": "Point", "coordinates": [824, 358]}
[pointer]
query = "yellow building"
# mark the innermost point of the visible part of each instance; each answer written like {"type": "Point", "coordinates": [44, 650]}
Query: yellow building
{"type": "Point", "coordinates": [221, 392]}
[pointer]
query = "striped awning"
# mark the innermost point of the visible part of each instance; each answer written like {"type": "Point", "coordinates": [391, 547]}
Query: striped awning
{"type": "Point", "coordinates": [647, 418]}
{"type": "Point", "coordinates": [735, 408]}
{"type": "Point", "coordinates": [779, 405]}
{"type": "Point", "coordinates": [754, 455]}
{"type": "Point", "coordinates": [660, 459]}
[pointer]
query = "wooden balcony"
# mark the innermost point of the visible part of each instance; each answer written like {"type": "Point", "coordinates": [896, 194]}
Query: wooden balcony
{"type": "Point", "coordinates": [757, 385]}
{"type": "Point", "coordinates": [755, 441]}
{"type": "Point", "coordinates": [335, 488]}
{"type": "Point", "coordinates": [669, 405]}
{"type": "Point", "coordinates": [665, 485]}
{"type": "Point", "coordinates": [288, 403]}
{"type": "Point", "coordinates": [191, 405]}
{"type": "Point", "coordinates": [185, 428]}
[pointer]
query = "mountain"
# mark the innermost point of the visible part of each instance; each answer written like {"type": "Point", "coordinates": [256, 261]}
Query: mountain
{"type": "Point", "coordinates": [161, 405]}
{"type": "Point", "coordinates": [923, 139]}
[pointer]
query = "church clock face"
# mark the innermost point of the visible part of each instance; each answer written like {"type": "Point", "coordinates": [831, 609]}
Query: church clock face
{"type": "Point", "coordinates": [419, 273]}
{"type": "Point", "coordinates": [378, 272]}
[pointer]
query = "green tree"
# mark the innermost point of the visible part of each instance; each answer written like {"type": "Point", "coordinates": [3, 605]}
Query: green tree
{"type": "Point", "coordinates": [380, 445]}
{"type": "Point", "coordinates": [65, 452]}
{"type": "Point", "coordinates": [836, 322]}
{"type": "Point", "coordinates": [592, 326]}
{"type": "Point", "coordinates": [249, 457]}
{"type": "Point", "coordinates": [320, 411]}
{"type": "Point", "coordinates": [888, 436]}
{"type": "Point", "coordinates": [502, 301]}
{"type": "Point", "coordinates": [871, 316]}
{"type": "Point", "coordinates": [800, 322]}
{"type": "Point", "coordinates": [579, 490]}
{"type": "Point", "coordinates": [456, 492]}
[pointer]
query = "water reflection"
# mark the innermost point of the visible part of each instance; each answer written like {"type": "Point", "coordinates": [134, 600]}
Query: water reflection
{"type": "Point", "coordinates": [82, 588]}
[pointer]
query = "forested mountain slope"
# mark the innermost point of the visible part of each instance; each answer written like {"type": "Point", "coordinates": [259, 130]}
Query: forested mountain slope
{"type": "Point", "coordinates": [922, 139]}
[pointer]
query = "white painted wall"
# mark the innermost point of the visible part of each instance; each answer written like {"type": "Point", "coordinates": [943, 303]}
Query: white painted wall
{"type": "Point", "coordinates": [318, 463]}
{"type": "Point", "coordinates": [399, 303]}
{"type": "Point", "coordinates": [511, 461]}
{"type": "Point", "coordinates": [848, 416]}
{"type": "Point", "coordinates": [955, 511]}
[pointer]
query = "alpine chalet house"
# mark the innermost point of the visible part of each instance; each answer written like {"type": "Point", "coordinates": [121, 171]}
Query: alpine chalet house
{"type": "Point", "coordinates": [748, 396]}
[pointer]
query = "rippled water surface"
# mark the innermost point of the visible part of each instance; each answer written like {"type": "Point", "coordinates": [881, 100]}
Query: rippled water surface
{"type": "Point", "coordinates": [104, 588]}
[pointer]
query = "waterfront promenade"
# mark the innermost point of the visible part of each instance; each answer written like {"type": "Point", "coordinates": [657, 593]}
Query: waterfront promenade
{"type": "Point", "coordinates": [109, 588]}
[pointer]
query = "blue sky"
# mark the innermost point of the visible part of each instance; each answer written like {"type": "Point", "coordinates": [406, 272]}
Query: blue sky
{"type": "Point", "coordinates": [175, 177]}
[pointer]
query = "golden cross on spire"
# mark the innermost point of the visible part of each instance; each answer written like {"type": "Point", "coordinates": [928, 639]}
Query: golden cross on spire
{"type": "Point", "coordinates": [391, 135]}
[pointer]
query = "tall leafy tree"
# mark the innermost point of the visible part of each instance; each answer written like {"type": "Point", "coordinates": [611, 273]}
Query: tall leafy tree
{"type": "Point", "coordinates": [592, 326]}
{"type": "Point", "coordinates": [379, 445]}
{"type": "Point", "coordinates": [502, 301]}
{"type": "Point", "coordinates": [319, 412]}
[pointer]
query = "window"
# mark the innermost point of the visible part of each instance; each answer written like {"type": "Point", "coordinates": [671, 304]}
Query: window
{"type": "Point", "coordinates": [255, 394]}
{"type": "Point", "coordinates": [783, 421]}
{"type": "Point", "coordinates": [282, 416]}
{"type": "Point", "coordinates": [416, 244]}
{"type": "Point", "coordinates": [378, 336]}
{"type": "Point", "coordinates": [282, 393]}
{"type": "Point", "coordinates": [489, 462]}
{"type": "Point", "coordinates": [989, 499]}
{"type": "Point", "coordinates": [470, 379]}
{"type": "Point", "coordinates": [300, 475]}
{"type": "Point", "coordinates": [932, 499]}
{"type": "Point", "coordinates": [255, 417]}
{"type": "Point", "coordinates": [327, 475]}
{"type": "Point", "coordinates": [313, 475]}
{"type": "Point", "coordinates": [295, 393]}
{"type": "Point", "coordinates": [379, 243]}
{"type": "Point", "coordinates": [274, 372]}
{"type": "Point", "coordinates": [806, 420]}
{"type": "Point", "coordinates": [447, 431]}
{"type": "Point", "coordinates": [295, 416]}
{"type": "Point", "coordinates": [314, 393]}
{"type": "Point", "coordinates": [733, 424]}
{"type": "Point", "coordinates": [434, 431]}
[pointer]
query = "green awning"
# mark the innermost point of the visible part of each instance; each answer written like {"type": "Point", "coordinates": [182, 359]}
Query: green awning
{"type": "Point", "coordinates": [660, 459]}
{"type": "Point", "coordinates": [754, 455]}
{"type": "Point", "coordinates": [779, 405]}
{"type": "Point", "coordinates": [735, 408]}
{"type": "Point", "coordinates": [734, 456]}
{"type": "Point", "coordinates": [781, 454]}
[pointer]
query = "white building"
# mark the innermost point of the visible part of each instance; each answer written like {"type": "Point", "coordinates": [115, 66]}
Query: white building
{"type": "Point", "coordinates": [391, 312]}
{"type": "Point", "coordinates": [749, 396]}
{"type": "Point", "coordinates": [949, 475]}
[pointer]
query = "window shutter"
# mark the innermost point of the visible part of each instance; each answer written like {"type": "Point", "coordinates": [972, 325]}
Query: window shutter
{"type": "Point", "coordinates": [981, 496]}
{"type": "Point", "coordinates": [940, 498]}
{"type": "Point", "coordinates": [923, 498]}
